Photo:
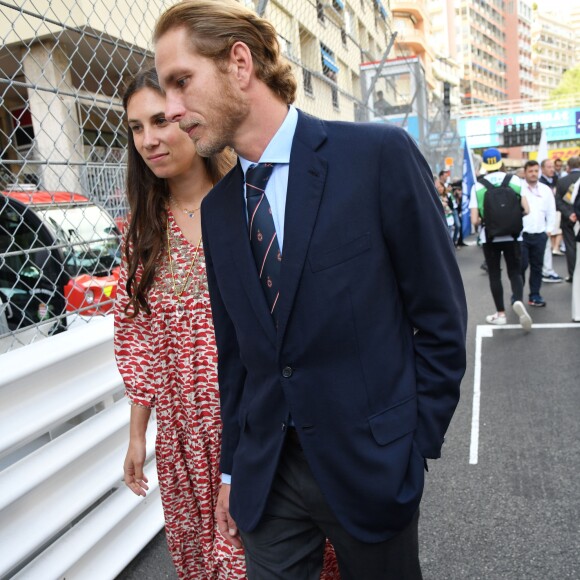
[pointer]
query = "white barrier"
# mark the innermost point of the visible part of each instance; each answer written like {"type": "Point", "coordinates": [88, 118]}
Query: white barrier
{"type": "Point", "coordinates": [64, 512]}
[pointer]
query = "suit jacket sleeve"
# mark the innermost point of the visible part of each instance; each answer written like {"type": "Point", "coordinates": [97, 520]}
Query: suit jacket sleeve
{"type": "Point", "coordinates": [231, 371]}
{"type": "Point", "coordinates": [576, 192]}
{"type": "Point", "coordinates": [430, 283]}
{"type": "Point", "coordinates": [562, 206]}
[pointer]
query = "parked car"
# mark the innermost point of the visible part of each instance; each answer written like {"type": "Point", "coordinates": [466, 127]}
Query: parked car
{"type": "Point", "coordinates": [59, 253]}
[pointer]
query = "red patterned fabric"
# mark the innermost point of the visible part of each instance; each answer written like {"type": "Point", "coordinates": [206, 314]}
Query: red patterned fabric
{"type": "Point", "coordinates": [168, 360]}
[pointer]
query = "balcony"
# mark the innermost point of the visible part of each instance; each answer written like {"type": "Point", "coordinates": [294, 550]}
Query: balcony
{"type": "Point", "coordinates": [414, 40]}
{"type": "Point", "coordinates": [415, 9]}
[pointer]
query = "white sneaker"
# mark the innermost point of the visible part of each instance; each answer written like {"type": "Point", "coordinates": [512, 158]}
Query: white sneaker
{"type": "Point", "coordinates": [496, 318]}
{"type": "Point", "coordinates": [522, 313]}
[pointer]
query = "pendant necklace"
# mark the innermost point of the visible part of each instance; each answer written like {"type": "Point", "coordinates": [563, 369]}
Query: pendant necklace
{"type": "Point", "coordinates": [179, 289]}
{"type": "Point", "coordinates": [190, 213]}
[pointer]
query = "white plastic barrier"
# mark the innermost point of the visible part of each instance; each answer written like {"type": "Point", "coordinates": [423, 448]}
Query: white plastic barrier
{"type": "Point", "coordinates": [64, 512]}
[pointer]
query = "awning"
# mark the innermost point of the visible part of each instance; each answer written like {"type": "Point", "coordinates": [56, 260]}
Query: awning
{"type": "Point", "coordinates": [381, 8]}
{"type": "Point", "coordinates": [328, 59]}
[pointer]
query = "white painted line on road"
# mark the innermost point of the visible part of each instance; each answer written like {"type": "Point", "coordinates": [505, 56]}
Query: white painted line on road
{"type": "Point", "coordinates": [481, 332]}
{"type": "Point", "coordinates": [486, 331]}
{"type": "Point", "coordinates": [534, 326]}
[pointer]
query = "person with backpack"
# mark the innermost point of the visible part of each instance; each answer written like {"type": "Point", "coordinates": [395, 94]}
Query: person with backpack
{"type": "Point", "coordinates": [497, 205]}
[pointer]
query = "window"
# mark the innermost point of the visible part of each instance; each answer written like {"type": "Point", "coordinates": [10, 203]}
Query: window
{"type": "Point", "coordinates": [320, 11]}
{"type": "Point", "coordinates": [343, 36]}
{"type": "Point", "coordinates": [335, 98]}
{"type": "Point", "coordinates": [22, 126]}
{"type": "Point", "coordinates": [285, 46]}
{"type": "Point", "coordinates": [348, 21]}
{"type": "Point", "coordinates": [307, 81]}
{"type": "Point", "coordinates": [329, 66]}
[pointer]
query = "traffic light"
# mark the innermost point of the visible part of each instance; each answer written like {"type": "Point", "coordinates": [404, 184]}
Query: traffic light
{"type": "Point", "coordinates": [522, 134]}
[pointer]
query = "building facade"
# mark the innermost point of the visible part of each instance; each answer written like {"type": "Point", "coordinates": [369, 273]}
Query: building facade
{"type": "Point", "coordinates": [64, 66]}
{"type": "Point", "coordinates": [519, 66]}
{"type": "Point", "coordinates": [412, 22]}
{"type": "Point", "coordinates": [553, 51]}
{"type": "Point", "coordinates": [481, 48]}
{"type": "Point", "coordinates": [446, 69]}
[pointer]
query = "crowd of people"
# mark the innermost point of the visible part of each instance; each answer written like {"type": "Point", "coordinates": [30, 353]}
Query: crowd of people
{"type": "Point", "coordinates": [450, 195]}
{"type": "Point", "coordinates": [547, 194]}
{"type": "Point", "coordinates": [265, 276]}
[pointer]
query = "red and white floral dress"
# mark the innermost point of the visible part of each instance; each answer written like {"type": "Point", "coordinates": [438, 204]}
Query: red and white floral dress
{"type": "Point", "coordinates": [168, 360]}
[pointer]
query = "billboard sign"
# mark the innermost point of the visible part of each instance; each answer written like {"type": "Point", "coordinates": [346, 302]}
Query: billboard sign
{"type": "Point", "coordinates": [560, 125]}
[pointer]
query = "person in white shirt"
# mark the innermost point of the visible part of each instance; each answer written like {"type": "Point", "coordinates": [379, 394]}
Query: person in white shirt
{"type": "Point", "coordinates": [538, 226]}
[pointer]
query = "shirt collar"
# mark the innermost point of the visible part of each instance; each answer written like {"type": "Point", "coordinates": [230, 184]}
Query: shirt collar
{"type": "Point", "coordinates": [278, 150]}
{"type": "Point", "coordinates": [533, 188]}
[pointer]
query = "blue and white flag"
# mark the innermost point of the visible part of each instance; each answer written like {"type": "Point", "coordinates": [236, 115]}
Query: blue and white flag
{"type": "Point", "coordinates": [467, 186]}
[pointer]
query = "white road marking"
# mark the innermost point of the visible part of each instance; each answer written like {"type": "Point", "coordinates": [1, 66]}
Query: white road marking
{"type": "Point", "coordinates": [486, 331]}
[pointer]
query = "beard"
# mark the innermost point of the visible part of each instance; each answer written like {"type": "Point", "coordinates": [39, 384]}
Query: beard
{"type": "Point", "coordinates": [228, 110]}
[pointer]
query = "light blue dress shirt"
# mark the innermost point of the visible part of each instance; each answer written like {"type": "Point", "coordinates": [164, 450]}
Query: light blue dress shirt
{"type": "Point", "coordinates": [278, 152]}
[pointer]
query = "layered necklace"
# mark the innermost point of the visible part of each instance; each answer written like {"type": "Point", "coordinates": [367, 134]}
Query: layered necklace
{"type": "Point", "coordinates": [179, 287]}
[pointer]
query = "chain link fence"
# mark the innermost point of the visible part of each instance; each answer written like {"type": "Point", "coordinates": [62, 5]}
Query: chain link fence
{"type": "Point", "coordinates": [63, 66]}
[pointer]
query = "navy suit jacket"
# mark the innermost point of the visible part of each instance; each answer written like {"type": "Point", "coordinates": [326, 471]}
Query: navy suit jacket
{"type": "Point", "coordinates": [370, 347]}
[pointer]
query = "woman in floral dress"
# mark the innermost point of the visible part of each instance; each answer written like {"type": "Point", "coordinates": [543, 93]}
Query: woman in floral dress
{"type": "Point", "coordinates": [164, 341]}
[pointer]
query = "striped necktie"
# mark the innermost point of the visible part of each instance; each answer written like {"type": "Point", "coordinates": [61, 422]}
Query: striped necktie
{"type": "Point", "coordinates": [263, 237]}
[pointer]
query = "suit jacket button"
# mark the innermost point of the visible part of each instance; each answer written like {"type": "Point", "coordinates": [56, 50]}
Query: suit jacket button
{"type": "Point", "coordinates": [287, 372]}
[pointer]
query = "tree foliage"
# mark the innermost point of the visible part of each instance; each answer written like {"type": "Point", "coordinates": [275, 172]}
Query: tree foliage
{"type": "Point", "coordinates": [569, 85]}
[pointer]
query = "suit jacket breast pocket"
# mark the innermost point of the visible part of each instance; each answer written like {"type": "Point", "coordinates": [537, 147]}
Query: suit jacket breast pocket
{"type": "Point", "coordinates": [322, 259]}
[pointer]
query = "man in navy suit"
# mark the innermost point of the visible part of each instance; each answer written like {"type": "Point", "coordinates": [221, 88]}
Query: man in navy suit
{"type": "Point", "coordinates": [340, 370]}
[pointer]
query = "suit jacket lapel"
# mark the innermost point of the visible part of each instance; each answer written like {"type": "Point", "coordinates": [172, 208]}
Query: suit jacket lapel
{"type": "Point", "coordinates": [306, 181]}
{"type": "Point", "coordinates": [239, 246]}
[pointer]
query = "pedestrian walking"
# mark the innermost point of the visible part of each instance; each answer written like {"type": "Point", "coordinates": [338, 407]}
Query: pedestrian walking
{"type": "Point", "coordinates": [317, 272]}
{"type": "Point", "coordinates": [447, 204]}
{"type": "Point", "coordinates": [538, 225]}
{"type": "Point", "coordinates": [497, 205]}
{"type": "Point", "coordinates": [569, 217]}
{"type": "Point", "coordinates": [576, 282]}
{"type": "Point", "coordinates": [164, 340]}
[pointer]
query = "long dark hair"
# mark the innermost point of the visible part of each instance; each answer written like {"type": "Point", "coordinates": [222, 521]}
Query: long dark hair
{"type": "Point", "coordinates": [148, 196]}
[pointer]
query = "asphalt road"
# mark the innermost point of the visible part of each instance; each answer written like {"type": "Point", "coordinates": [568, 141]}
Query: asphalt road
{"type": "Point", "coordinates": [512, 515]}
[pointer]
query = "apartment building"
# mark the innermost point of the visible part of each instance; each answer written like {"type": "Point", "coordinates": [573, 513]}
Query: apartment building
{"type": "Point", "coordinates": [412, 22]}
{"type": "Point", "coordinates": [62, 69]}
{"type": "Point", "coordinates": [64, 65]}
{"type": "Point", "coordinates": [446, 69]}
{"type": "Point", "coordinates": [481, 49]}
{"type": "Point", "coordinates": [519, 66]}
{"type": "Point", "coordinates": [553, 51]}
{"type": "Point", "coordinates": [327, 41]}
{"type": "Point", "coordinates": [575, 23]}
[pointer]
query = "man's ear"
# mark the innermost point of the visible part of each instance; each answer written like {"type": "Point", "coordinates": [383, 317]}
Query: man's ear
{"type": "Point", "coordinates": [241, 63]}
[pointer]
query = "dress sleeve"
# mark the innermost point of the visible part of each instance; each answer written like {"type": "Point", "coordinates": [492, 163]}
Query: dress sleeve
{"type": "Point", "coordinates": [134, 347]}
